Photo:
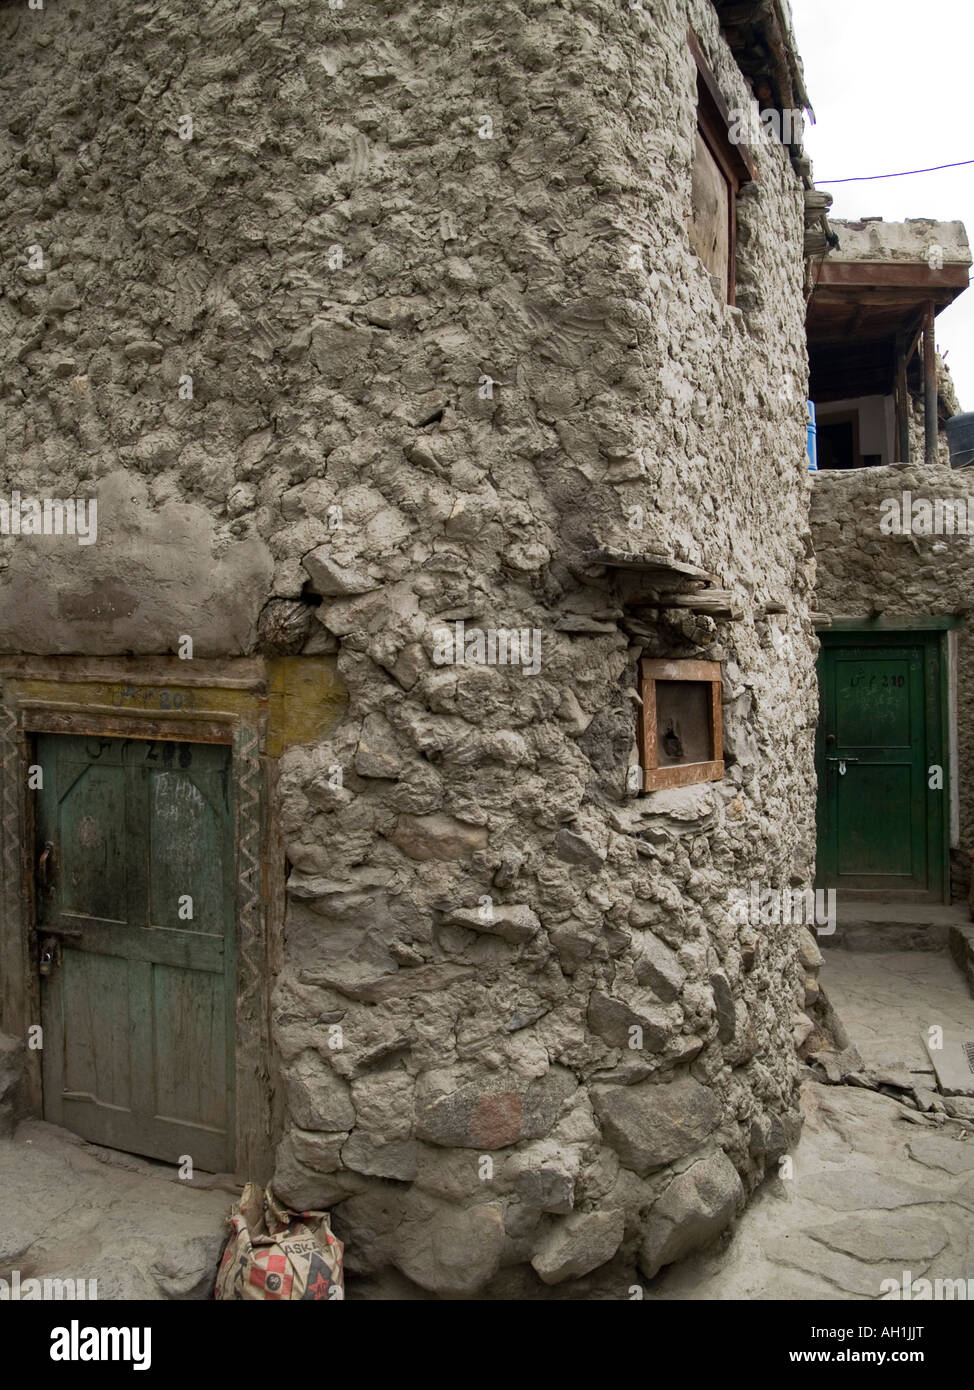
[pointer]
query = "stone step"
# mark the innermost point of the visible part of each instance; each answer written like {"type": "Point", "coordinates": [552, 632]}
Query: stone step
{"type": "Point", "coordinates": [961, 942]}
{"type": "Point", "coordinates": [872, 925]}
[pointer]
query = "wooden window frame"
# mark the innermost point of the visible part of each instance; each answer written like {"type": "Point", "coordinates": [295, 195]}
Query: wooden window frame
{"type": "Point", "coordinates": [656, 778]}
{"type": "Point", "coordinates": [734, 161]}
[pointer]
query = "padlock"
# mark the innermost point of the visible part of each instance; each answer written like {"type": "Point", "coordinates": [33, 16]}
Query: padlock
{"type": "Point", "coordinates": [50, 955]}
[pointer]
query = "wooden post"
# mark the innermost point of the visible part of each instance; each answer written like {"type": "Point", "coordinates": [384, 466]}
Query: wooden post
{"type": "Point", "coordinates": [902, 402]}
{"type": "Point", "coordinates": [930, 385]}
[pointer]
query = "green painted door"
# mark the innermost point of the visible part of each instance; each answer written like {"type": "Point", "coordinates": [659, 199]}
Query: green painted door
{"type": "Point", "coordinates": [881, 764]}
{"type": "Point", "coordinates": [134, 848]}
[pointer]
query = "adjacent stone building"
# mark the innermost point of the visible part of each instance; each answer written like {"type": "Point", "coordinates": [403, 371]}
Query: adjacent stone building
{"type": "Point", "coordinates": [892, 525]}
{"type": "Point", "coordinates": [381, 333]}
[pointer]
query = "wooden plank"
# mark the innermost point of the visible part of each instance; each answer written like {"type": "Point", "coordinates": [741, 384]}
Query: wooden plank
{"type": "Point", "coordinates": [19, 989]}
{"type": "Point", "coordinates": [41, 716]}
{"type": "Point", "coordinates": [876, 274]}
{"type": "Point", "coordinates": [710, 226]}
{"type": "Point", "coordinates": [249, 672]}
{"type": "Point", "coordinates": [650, 741]}
{"type": "Point", "coordinates": [131, 1133]}
{"type": "Point", "coordinates": [160, 945]}
{"type": "Point", "coordinates": [716, 603]}
{"type": "Point", "coordinates": [679, 670]}
{"type": "Point", "coordinates": [251, 1069]}
{"type": "Point", "coordinates": [717, 722]}
{"type": "Point", "coordinates": [647, 562]}
{"type": "Point", "coordinates": [833, 299]}
{"type": "Point", "coordinates": [663, 778]}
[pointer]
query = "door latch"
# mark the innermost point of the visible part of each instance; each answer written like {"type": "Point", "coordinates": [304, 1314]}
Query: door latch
{"type": "Point", "coordinates": [843, 763]}
{"type": "Point", "coordinates": [50, 956]}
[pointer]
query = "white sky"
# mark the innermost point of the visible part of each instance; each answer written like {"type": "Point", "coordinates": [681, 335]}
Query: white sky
{"type": "Point", "coordinates": [892, 86]}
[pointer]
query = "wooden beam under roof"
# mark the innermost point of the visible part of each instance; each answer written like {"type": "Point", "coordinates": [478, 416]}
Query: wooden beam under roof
{"type": "Point", "coordinates": [892, 274]}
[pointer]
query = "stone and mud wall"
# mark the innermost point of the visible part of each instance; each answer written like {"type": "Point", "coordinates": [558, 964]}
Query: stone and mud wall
{"type": "Point", "coordinates": [364, 321]}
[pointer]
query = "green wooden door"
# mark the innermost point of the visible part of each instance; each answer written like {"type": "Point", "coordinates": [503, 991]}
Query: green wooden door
{"type": "Point", "coordinates": [134, 849]}
{"type": "Point", "coordinates": [881, 822]}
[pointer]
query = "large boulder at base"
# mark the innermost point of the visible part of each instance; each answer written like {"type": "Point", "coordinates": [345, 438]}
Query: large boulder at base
{"type": "Point", "coordinates": [578, 1245]}
{"type": "Point", "coordinates": [693, 1210]}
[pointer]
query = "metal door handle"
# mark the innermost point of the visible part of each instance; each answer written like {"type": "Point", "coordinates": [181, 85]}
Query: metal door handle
{"type": "Point", "coordinates": [47, 853]}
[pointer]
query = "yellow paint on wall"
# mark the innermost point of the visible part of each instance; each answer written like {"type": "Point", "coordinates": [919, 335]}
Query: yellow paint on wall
{"type": "Point", "coordinates": [307, 699]}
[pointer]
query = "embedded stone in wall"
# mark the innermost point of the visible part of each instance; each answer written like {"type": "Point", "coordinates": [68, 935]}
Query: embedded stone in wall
{"type": "Point", "coordinates": [396, 1159]}
{"type": "Point", "coordinates": [513, 922]}
{"type": "Point", "coordinates": [334, 580]}
{"type": "Point", "coordinates": [545, 1176]}
{"type": "Point", "coordinates": [495, 1114]}
{"type": "Point", "coordinates": [447, 1249]}
{"type": "Point", "coordinates": [578, 1245]}
{"type": "Point", "coordinates": [650, 1125]}
{"type": "Point", "coordinates": [657, 966]}
{"type": "Point", "coordinates": [317, 1098]}
{"type": "Point", "coordinates": [614, 1020]}
{"type": "Point", "coordinates": [693, 1210]}
{"type": "Point", "coordinates": [437, 837]}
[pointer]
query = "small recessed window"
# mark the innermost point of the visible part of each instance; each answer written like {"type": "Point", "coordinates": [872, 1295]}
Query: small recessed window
{"type": "Point", "coordinates": [681, 733]}
{"type": "Point", "coordinates": [719, 169]}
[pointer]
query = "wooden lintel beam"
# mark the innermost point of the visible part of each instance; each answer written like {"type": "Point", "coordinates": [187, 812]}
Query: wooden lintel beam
{"type": "Point", "coordinates": [893, 273]}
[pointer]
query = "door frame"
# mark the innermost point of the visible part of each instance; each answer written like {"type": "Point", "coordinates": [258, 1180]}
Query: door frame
{"type": "Point", "coordinates": [255, 706]}
{"type": "Point", "coordinates": [931, 634]}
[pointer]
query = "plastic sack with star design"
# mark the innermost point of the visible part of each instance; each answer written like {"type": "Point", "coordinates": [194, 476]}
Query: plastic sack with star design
{"type": "Point", "coordinates": [273, 1253]}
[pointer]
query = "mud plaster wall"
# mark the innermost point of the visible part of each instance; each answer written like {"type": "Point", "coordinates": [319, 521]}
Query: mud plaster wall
{"type": "Point", "coordinates": [864, 573]}
{"type": "Point", "coordinates": [315, 387]}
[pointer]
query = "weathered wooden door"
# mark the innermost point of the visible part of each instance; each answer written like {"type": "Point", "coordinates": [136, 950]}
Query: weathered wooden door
{"type": "Point", "coordinates": [881, 764]}
{"type": "Point", "coordinates": [134, 855]}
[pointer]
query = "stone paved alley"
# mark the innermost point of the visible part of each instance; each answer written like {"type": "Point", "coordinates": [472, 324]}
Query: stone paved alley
{"type": "Point", "coordinates": [878, 1187]}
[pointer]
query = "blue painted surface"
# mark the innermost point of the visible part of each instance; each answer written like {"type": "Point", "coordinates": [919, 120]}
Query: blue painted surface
{"type": "Point", "coordinates": [812, 439]}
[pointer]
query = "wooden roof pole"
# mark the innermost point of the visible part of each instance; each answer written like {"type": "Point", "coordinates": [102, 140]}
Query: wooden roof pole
{"type": "Point", "coordinates": [930, 384]}
{"type": "Point", "coordinates": [902, 400]}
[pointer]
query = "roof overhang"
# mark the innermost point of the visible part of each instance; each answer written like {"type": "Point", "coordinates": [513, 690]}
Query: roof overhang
{"type": "Point", "coordinates": [856, 314]}
{"type": "Point", "coordinates": [759, 33]}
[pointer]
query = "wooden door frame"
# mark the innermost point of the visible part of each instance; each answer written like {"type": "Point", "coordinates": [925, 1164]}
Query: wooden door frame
{"type": "Point", "coordinates": [925, 632]}
{"type": "Point", "coordinates": [239, 703]}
